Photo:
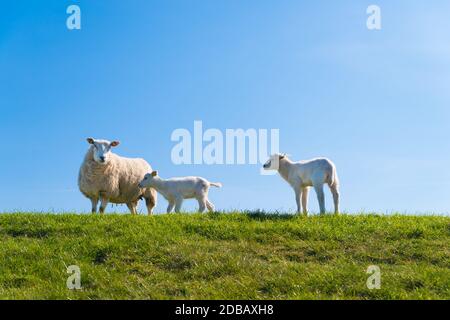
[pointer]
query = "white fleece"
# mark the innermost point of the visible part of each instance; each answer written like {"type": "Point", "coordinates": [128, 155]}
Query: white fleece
{"type": "Point", "coordinates": [175, 190]}
{"type": "Point", "coordinates": [304, 174]}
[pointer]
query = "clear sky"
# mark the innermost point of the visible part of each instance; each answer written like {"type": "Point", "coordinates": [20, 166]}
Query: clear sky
{"type": "Point", "coordinates": [376, 102]}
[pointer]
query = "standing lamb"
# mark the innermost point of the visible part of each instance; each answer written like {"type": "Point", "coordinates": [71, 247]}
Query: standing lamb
{"type": "Point", "coordinates": [304, 174]}
{"type": "Point", "coordinates": [175, 190]}
{"type": "Point", "coordinates": [107, 177]}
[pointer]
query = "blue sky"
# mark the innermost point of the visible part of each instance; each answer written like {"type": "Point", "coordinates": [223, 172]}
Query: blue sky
{"type": "Point", "coordinates": [375, 102]}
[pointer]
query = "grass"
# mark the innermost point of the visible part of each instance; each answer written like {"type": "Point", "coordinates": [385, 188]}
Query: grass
{"type": "Point", "coordinates": [224, 256]}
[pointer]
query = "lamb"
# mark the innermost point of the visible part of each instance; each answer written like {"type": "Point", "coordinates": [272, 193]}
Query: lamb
{"type": "Point", "coordinates": [304, 174]}
{"type": "Point", "coordinates": [107, 177]}
{"type": "Point", "coordinates": [175, 190]}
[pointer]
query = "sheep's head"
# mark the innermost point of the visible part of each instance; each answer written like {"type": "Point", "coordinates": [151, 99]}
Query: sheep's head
{"type": "Point", "coordinates": [148, 180]}
{"type": "Point", "coordinates": [102, 149]}
{"type": "Point", "coordinates": [274, 161]}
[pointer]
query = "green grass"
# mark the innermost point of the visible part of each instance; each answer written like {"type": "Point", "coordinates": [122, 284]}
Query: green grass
{"type": "Point", "coordinates": [224, 256]}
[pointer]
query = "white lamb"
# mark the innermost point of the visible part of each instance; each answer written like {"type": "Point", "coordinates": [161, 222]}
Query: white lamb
{"type": "Point", "coordinates": [175, 190]}
{"type": "Point", "coordinates": [107, 177]}
{"type": "Point", "coordinates": [304, 174]}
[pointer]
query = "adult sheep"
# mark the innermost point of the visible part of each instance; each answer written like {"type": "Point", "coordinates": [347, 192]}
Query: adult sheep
{"type": "Point", "coordinates": [107, 177]}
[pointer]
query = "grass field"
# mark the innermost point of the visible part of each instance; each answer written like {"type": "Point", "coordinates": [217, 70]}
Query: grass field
{"type": "Point", "coordinates": [224, 256]}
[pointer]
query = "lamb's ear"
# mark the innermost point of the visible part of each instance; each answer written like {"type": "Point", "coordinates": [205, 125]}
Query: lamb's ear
{"type": "Point", "coordinates": [115, 143]}
{"type": "Point", "coordinates": [90, 140]}
{"type": "Point", "coordinates": [154, 173]}
{"type": "Point", "coordinates": [282, 156]}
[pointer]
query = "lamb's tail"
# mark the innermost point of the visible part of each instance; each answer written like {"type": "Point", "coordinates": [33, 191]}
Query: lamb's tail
{"type": "Point", "coordinates": [216, 184]}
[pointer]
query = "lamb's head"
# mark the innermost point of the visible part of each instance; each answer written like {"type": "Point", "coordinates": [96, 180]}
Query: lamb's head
{"type": "Point", "coordinates": [102, 149]}
{"type": "Point", "coordinates": [274, 161]}
{"type": "Point", "coordinates": [149, 180]}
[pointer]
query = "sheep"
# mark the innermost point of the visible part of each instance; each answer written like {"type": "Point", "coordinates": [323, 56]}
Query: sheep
{"type": "Point", "coordinates": [107, 177]}
{"type": "Point", "coordinates": [175, 190]}
{"type": "Point", "coordinates": [304, 174]}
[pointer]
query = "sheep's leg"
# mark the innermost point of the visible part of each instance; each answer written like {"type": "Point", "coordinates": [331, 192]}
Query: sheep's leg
{"type": "Point", "coordinates": [150, 203]}
{"type": "Point", "coordinates": [335, 192]}
{"type": "Point", "coordinates": [132, 207]}
{"type": "Point", "coordinates": [210, 206]}
{"type": "Point", "coordinates": [320, 197]}
{"type": "Point", "coordinates": [305, 200]}
{"type": "Point", "coordinates": [298, 195]}
{"type": "Point", "coordinates": [202, 204]}
{"type": "Point", "coordinates": [170, 206]}
{"type": "Point", "coordinates": [94, 205]}
{"type": "Point", "coordinates": [103, 204]}
{"type": "Point", "coordinates": [178, 203]}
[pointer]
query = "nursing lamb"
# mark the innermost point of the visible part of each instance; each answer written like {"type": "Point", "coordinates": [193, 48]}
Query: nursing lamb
{"type": "Point", "coordinates": [175, 190]}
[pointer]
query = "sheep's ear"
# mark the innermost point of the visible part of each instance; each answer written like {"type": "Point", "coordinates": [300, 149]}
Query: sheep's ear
{"type": "Point", "coordinates": [282, 156]}
{"type": "Point", "coordinates": [115, 143]}
{"type": "Point", "coordinates": [90, 140]}
{"type": "Point", "coordinates": [154, 173]}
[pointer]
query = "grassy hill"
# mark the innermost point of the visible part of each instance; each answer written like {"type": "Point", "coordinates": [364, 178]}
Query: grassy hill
{"type": "Point", "coordinates": [224, 256]}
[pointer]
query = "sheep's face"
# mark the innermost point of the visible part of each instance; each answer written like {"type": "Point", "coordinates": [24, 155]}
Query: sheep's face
{"type": "Point", "coordinates": [102, 149]}
{"type": "Point", "coordinates": [273, 162]}
{"type": "Point", "coordinates": [148, 180]}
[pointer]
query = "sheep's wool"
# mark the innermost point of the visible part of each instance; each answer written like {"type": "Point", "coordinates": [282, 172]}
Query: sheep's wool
{"type": "Point", "coordinates": [117, 180]}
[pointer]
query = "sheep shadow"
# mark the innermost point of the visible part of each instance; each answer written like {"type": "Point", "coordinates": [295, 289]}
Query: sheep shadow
{"type": "Point", "coordinates": [260, 215]}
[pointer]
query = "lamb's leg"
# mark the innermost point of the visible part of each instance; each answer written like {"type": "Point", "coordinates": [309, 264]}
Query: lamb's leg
{"type": "Point", "coordinates": [298, 195]}
{"type": "Point", "coordinates": [132, 207]}
{"type": "Point", "coordinates": [210, 206]}
{"type": "Point", "coordinates": [94, 205]}
{"type": "Point", "coordinates": [320, 197]}
{"type": "Point", "coordinates": [305, 200]}
{"type": "Point", "coordinates": [202, 204]}
{"type": "Point", "coordinates": [335, 192]}
{"type": "Point", "coordinates": [170, 206]}
{"type": "Point", "coordinates": [150, 203]}
{"type": "Point", "coordinates": [103, 204]}
{"type": "Point", "coordinates": [178, 203]}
